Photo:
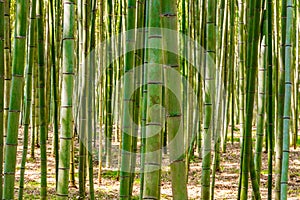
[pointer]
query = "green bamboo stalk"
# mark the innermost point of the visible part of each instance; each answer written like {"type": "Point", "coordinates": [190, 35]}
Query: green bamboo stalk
{"type": "Point", "coordinates": [144, 100]}
{"type": "Point", "coordinates": [79, 49]}
{"type": "Point", "coordinates": [78, 68]}
{"type": "Point", "coordinates": [270, 126]}
{"type": "Point", "coordinates": [242, 62]}
{"type": "Point", "coordinates": [190, 70]}
{"type": "Point", "coordinates": [122, 42]}
{"type": "Point", "coordinates": [54, 89]}
{"type": "Point", "coordinates": [101, 62]}
{"type": "Point", "coordinates": [295, 80]}
{"type": "Point", "coordinates": [67, 102]}
{"type": "Point", "coordinates": [173, 104]}
{"type": "Point", "coordinates": [220, 110]}
{"type": "Point", "coordinates": [16, 94]}
{"type": "Point", "coordinates": [280, 104]}
{"type": "Point", "coordinates": [227, 81]}
{"type": "Point", "coordinates": [47, 68]}
{"type": "Point", "coordinates": [46, 62]}
{"type": "Point", "coordinates": [197, 80]}
{"type": "Point", "coordinates": [137, 81]}
{"type": "Point", "coordinates": [184, 29]}
{"type": "Point", "coordinates": [72, 183]}
{"type": "Point", "coordinates": [58, 50]}
{"type": "Point", "coordinates": [42, 97]}
{"type": "Point", "coordinates": [254, 182]}
{"type": "Point", "coordinates": [33, 108]}
{"type": "Point", "coordinates": [189, 77]}
{"type": "Point", "coordinates": [154, 115]}
{"type": "Point", "coordinates": [127, 102]}
{"type": "Point", "coordinates": [222, 64]}
{"type": "Point", "coordinates": [208, 105]}
{"type": "Point", "coordinates": [232, 63]}
{"type": "Point", "coordinates": [2, 67]}
{"type": "Point", "coordinates": [82, 144]}
{"type": "Point", "coordinates": [7, 61]}
{"type": "Point", "coordinates": [261, 101]}
{"type": "Point", "coordinates": [120, 68]}
{"type": "Point", "coordinates": [115, 70]}
{"type": "Point", "coordinates": [200, 82]}
{"type": "Point", "coordinates": [109, 83]}
{"type": "Point", "coordinates": [287, 98]}
{"type": "Point", "coordinates": [37, 105]}
{"type": "Point", "coordinates": [250, 17]}
{"type": "Point", "coordinates": [84, 117]}
{"type": "Point", "coordinates": [112, 71]}
{"type": "Point", "coordinates": [82, 101]}
{"type": "Point", "coordinates": [253, 22]}
{"type": "Point", "coordinates": [28, 91]}
{"type": "Point", "coordinates": [91, 94]}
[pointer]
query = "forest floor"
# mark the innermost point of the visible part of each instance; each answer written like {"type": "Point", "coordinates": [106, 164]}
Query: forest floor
{"type": "Point", "coordinates": [226, 186]}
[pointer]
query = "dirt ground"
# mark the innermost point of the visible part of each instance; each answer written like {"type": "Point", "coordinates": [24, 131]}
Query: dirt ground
{"type": "Point", "coordinates": [226, 180]}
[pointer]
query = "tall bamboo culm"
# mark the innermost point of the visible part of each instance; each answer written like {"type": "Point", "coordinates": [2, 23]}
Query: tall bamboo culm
{"type": "Point", "coordinates": [127, 102]}
{"type": "Point", "coordinates": [280, 100]}
{"type": "Point", "coordinates": [210, 59]}
{"type": "Point", "coordinates": [1, 91]}
{"type": "Point", "coordinates": [270, 95]}
{"type": "Point", "coordinates": [154, 115]}
{"type": "Point", "coordinates": [66, 101]}
{"type": "Point", "coordinates": [43, 119]}
{"type": "Point", "coordinates": [287, 98]}
{"type": "Point", "coordinates": [54, 61]}
{"type": "Point", "coordinates": [253, 21]}
{"type": "Point", "coordinates": [109, 84]}
{"type": "Point", "coordinates": [172, 101]}
{"type": "Point", "coordinates": [32, 45]}
{"type": "Point", "coordinates": [7, 60]}
{"type": "Point", "coordinates": [16, 95]}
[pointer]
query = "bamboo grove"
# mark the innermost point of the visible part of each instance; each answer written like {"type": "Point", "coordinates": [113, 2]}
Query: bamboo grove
{"type": "Point", "coordinates": [143, 86]}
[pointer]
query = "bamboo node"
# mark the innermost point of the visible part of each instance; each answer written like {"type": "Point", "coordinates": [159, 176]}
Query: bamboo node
{"type": "Point", "coordinates": [154, 36]}
{"type": "Point", "coordinates": [9, 173]}
{"type": "Point", "coordinates": [20, 37]}
{"type": "Point", "coordinates": [62, 195]}
{"type": "Point", "coordinates": [65, 138]}
{"type": "Point", "coordinates": [168, 15]}
{"type": "Point", "coordinates": [18, 75]}
{"type": "Point", "coordinates": [14, 111]}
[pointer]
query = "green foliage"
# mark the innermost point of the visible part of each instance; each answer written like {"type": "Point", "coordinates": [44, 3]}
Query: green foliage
{"type": "Point", "coordinates": [109, 174]}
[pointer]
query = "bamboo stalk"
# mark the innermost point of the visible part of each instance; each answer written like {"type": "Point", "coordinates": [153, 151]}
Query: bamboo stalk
{"type": "Point", "coordinates": [127, 125]}
{"type": "Point", "coordinates": [66, 137]}
{"type": "Point", "coordinates": [287, 98]}
{"type": "Point", "coordinates": [28, 91]}
{"type": "Point", "coordinates": [16, 94]}
{"type": "Point", "coordinates": [2, 67]}
{"type": "Point", "coordinates": [173, 102]}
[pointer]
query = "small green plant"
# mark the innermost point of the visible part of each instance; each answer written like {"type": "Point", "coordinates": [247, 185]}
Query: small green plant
{"type": "Point", "coordinates": [110, 174]}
